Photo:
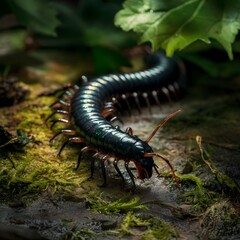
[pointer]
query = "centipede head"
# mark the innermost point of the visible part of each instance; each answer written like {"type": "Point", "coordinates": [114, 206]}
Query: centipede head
{"type": "Point", "coordinates": [144, 164]}
{"type": "Point", "coordinates": [145, 167]}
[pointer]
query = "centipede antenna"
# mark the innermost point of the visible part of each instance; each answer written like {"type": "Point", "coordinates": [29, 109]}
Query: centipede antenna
{"type": "Point", "coordinates": [165, 160]}
{"type": "Point", "coordinates": [161, 124]}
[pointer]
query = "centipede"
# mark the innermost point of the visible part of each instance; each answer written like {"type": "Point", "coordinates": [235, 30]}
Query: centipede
{"type": "Point", "coordinates": [89, 110]}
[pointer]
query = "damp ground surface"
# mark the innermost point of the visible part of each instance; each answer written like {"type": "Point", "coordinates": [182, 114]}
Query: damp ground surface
{"type": "Point", "coordinates": [42, 195]}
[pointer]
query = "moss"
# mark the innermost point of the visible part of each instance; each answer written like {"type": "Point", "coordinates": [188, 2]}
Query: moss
{"type": "Point", "coordinates": [132, 220]}
{"type": "Point", "coordinates": [198, 196]}
{"type": "Point", "coordinates": [33, 172]}
{"type": "Point", "coordinates": [38, 167]}
{"type": "Point", "coordinates": [159, 230]}
{"type": "Point", "coordinates": [227, 183]}
{"type": "Point", "coordinates": [150, 228]}
{"type": "Point", "coordinates": [121, 205]}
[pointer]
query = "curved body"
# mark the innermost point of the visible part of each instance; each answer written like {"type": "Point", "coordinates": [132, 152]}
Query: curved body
{"type": "Point", "coordinates": [92, 102]}
{"type": "Point", "coordinates": [88, 102]}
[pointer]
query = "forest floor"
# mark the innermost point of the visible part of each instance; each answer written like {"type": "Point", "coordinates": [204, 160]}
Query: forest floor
{"type": "Point", "coordinates": [41, 193]}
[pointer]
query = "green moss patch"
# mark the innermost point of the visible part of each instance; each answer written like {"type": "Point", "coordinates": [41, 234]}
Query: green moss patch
{"type": "Point", "coordinates": [197, 196]}
{"type": "Point", "coordinates": [149, 228]}
{"type": "Point", "coordinates": [121, 205]}
{"type": "Point", "coordinates": [37, 167]}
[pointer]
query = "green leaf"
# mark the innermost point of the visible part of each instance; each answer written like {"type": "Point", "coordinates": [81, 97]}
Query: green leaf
{"type": "Point", "coordinates": [137, 16]}
{"type": "Point", "coordinates": [38, 15]}
{"type": "Point", "coordinates": [174, 25]}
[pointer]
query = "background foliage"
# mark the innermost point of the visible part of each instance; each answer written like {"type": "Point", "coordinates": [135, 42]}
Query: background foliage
{"type": "Point", "coordinates": [197, 26]}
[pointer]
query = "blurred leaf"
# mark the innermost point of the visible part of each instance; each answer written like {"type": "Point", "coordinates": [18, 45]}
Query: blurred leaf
{"type": "Point", "coordinates": [107, 60]}
{"type": "Point", "coordinates": [12, 49]}
{"type": "Point", "coordinates": [38, 15]}
{"type": "Point", "coordinates": [212, 67]}
{"type": "Point", "coordinates": [12, 41]}
{"type": "Point", "coordinates": [4, 9]}
{"type": "Point", "coordinates": [89, 24]}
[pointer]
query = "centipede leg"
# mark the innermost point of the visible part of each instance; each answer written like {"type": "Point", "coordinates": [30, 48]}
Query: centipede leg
{"type": "Point", "coordinates": [84, 79]}
{"type": "Point", "coordinates": [124, 97]}
{"type": "Point", "coordinates": [63, 131]}
{"type": "Point", "coordinates": [58, 111]}
{"type": "Point", "coordinates": [92, 168]}
{"type": "Point", "coordinates": [156, 169]}
{"type": "Point", "coordinates": [129, 131]}
{"type": "Point", "coordinates": [155, 96]}
{"type": "Point", "coordinates": [92, 165]}
{"type": "Point", "coordinates": [108, 112]}
{"type": "Point", "coordinates": [103, 173]}
{"type": "Point", "coordinates": [130, 174]}
{"type": "Point", "coordinates": [60, 120]}
{"type": "Point", "coordinates": [56, 90]}
{"type": "Point", "coordinates": [172, 89]}
{"type": "Point", "coordinates": [145, 96]}
{"type": "Point", "coordinates": [115, 164]}
{"type": "Point", "coordinates": [70, 140]}
{"type": "Point", "coordinates": [135, 96]}
{"type": "Point", "coordinates": [115, 118]}
{"type": "Point", "coordinates": [83, 150]}
{"type": "Point", "coordinates": [60, 104]}
{"type": "Point", "coordinates": [166, 92]}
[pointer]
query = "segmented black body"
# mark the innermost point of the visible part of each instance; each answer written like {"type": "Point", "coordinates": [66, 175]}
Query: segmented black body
{"type": "Point", "coordinates": [88, 102]}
